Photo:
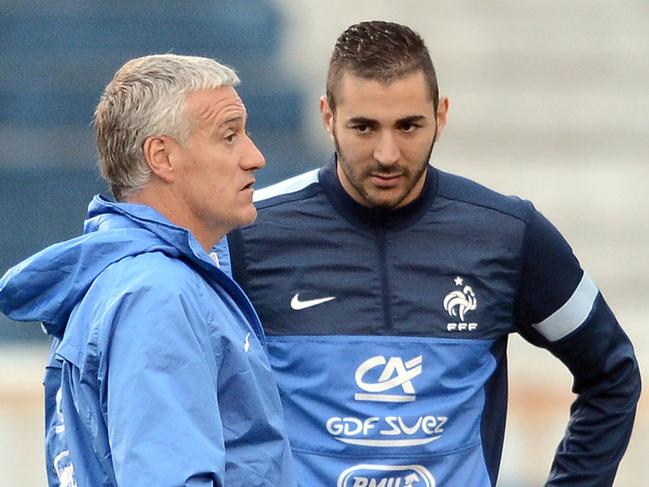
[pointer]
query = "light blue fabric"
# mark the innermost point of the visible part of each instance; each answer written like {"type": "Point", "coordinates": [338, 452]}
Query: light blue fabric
{"type": "Point", "coordinates": [160, 376]}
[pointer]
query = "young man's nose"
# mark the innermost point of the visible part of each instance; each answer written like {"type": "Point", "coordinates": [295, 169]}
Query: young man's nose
{"type": "Point", "coordinates": [387, 150]}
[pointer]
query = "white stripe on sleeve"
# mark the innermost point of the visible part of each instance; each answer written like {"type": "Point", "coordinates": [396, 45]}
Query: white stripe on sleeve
{"type": "Point", "coordinates": [572, 314]}
{"type": "Point", "coordinates": [291, 185]}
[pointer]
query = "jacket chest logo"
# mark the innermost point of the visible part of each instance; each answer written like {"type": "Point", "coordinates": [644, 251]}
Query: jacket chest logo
{"type": "Point", "coordinates": [458, 303]}
{"type": "Point", "coordinates": [396, 373]}
{"type": "Point", "coordinates": [299, 304]}
{"type": "Point", "coordinates": [388, 379]}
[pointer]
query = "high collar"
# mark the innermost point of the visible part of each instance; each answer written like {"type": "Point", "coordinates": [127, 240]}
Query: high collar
{"type": "Point", "coordinates": [47, 286]}
{"type": "Point", "coordinates": [371, 218]}
{"type": "Point", "coordinates": [106, 214]}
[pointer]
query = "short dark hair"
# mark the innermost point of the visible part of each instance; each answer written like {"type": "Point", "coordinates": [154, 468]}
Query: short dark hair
{"type": "Point", "coordinates": [381, 51]}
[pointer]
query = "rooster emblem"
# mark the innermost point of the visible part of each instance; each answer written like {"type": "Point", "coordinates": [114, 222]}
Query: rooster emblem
{"type": "Point", "coordinates": [458, 302]}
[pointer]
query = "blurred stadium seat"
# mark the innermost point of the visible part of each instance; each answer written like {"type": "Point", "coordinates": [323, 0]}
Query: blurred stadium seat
{"type": "Point", "coordinates": [56, 59]}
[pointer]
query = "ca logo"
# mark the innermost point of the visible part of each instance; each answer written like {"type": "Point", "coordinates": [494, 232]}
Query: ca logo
{"type": "Point", "coordinates": [395, 374]}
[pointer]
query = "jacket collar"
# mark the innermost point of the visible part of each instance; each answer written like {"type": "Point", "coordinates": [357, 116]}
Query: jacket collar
{"type": "Point", "coordinates": [373, 218]}
{"type": "Point", "coordinates": [107, 214]}
{"type": "Point", "coordinates": [48, 285]}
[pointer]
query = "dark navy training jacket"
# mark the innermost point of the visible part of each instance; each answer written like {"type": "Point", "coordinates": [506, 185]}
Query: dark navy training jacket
{"type": "Point", "coordinates": [388, 331]}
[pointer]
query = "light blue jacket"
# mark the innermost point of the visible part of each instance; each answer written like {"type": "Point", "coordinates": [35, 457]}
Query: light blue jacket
{"type": "Point", "coordinates": [158, 374]}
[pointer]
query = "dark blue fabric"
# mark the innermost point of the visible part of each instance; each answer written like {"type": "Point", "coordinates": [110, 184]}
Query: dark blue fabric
{"type": "Point", "coordinates": [461, 265]}
{"type": "Point", "coordinates": [549, 265]}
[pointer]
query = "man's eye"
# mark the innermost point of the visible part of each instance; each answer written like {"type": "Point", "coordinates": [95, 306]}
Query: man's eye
{"type": "Point", "coordinates": [361, 129]}
{"type": "Point", "coordinates": [409, 127]}
{"type": "Point", "coordinates": [229, 139]}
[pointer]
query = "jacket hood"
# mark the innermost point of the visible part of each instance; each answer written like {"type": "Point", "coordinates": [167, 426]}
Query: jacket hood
{"type": "Point", "coordinates": [47, 286]}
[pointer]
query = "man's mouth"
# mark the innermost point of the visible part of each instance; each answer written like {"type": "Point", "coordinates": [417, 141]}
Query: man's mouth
{"type": "Point", "coordinates": [383, 180]}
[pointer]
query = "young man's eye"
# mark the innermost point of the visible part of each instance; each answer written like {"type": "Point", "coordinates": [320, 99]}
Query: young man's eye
{"type": "Point", "coordinates": [409, 127]}
{"type": "Point", "coordinates": [361, 129]}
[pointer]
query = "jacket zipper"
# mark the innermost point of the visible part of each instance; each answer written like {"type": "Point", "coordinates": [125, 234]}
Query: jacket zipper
{"type": "Point", "coordinates": [384, 275]}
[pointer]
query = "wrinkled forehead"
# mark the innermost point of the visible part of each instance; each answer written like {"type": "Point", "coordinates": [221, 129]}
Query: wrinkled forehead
{"type": "Point", "coordinates": [215, 105]}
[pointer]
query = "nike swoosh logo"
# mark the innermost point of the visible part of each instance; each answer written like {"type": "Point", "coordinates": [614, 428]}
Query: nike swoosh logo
{"type": "Point", "coordinates": [297, 305]}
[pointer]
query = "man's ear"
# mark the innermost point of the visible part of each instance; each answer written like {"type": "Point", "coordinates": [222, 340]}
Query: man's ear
{"type": "Point", "coordinates": [441, 115]}
{"type": "Point", "coordinates": [327, 117]}
{"type": "Point", "coordinates": [157, 152]}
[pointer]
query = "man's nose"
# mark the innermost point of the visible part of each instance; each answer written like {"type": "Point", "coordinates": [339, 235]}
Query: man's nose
{"type": "Point", "coordinates": [387, 150]}
{"type": "Point", "coordinates": [253, 159]}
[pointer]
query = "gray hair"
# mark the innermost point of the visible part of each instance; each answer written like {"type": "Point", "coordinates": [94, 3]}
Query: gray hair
{"type": "Point", "coordinates": [147, 97]}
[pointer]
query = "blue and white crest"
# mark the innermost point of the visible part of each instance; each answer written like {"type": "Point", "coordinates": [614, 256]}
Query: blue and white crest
{"type": "Point", "coordinates": [458, 302]}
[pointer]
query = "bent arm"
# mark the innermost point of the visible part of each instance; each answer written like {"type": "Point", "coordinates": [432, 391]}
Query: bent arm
{"type": "Point", "coordinates": [561, 309]}
{"type": "Point", "coordinates": [607, 383]}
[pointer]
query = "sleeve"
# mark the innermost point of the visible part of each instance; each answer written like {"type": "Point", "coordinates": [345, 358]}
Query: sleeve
{"type": "Point", "coordinates": [55, 443]}
{"type": "Point", "coordinates": [163, 419]}
{"type": "Point", "coordinates": [560, 308]}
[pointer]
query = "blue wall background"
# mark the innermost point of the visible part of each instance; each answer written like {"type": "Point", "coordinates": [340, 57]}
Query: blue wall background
{"type": "Point", "coordinates": [56, 59]}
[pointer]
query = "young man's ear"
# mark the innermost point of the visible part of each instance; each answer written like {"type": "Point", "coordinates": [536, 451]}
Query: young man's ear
{"type": "Point", "coordinates": [441, 115]}
{"type": "Point", "coordinates": [157, 152]}
{"type": "Point", "coordinates": [327, 117]}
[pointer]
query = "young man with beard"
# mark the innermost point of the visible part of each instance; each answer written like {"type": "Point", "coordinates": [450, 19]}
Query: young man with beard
{"type": "Point", "coordinates": [388, 289]}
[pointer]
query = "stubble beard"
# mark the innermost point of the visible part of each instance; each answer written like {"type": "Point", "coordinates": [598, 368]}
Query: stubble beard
{"type": "Point", "coordinates": [356, 180]}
